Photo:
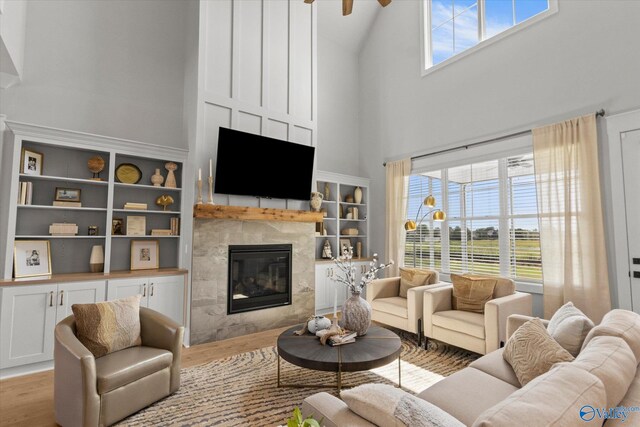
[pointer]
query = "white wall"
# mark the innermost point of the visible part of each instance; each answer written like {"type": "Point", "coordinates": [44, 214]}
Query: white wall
{"type": "Point", "coordinates": [257, 73]}
{"type": "Point", "coordinates": [12, 33]}
{"type": "Point", "coordinates": [112, 68]}
{"type": "Point", "coordinates": [581, 59]}
{"type": "Point", "coordinates": [338, 108]}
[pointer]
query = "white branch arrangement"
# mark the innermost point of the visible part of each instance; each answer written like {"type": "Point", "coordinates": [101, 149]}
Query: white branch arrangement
{"type": "Point", "coordinates": [345, 263]}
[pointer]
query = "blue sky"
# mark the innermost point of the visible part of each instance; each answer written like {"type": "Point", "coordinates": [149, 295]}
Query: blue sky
{"type": "Point", "coordinates": [454, 23]}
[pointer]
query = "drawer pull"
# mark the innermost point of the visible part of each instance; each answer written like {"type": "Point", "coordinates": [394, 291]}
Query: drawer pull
{"type": "Point", "coordinates": [144, 290]}
{"type": "Point", "coordinates": [51, 299]}
{"type": "Point", "coordinates": [61, 297]}
{"type": "Point", "coordinates": [151, 289]}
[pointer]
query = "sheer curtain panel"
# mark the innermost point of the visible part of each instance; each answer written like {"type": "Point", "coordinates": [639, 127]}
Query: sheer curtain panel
{"type": "Point", "coordinates": [397, 187]}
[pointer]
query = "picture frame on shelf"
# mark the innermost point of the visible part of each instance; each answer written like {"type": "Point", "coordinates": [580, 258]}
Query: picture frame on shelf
{"type": "Point", "coordinates": [67, 194]}
{"type": "Point", "coordinates": [117, 226]}
{"type": "Point", "coordinates": [344, 243]}
{"type": "Point", "coordinates": [31, 162]}
{"type": "Point", "coordinates": [136, 226]}
{"type": "Point", "coordinates": [31, 258]}
{"type": "Point", "coordinates": [145, 254]}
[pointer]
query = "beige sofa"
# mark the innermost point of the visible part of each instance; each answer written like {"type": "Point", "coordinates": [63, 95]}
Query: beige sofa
{"type": "Point", "coordinates": [99, 392]}
{"type": "Point", "coordinates": [487, 393]}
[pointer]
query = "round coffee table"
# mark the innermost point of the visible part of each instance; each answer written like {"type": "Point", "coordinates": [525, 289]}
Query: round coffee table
{"type": "Point", "coordinates": [377, 348]}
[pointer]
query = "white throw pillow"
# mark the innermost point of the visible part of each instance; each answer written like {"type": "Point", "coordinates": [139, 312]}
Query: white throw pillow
{"type": "Point", "coordinates": [388, 406]}
{"type": "Point", "coordinates": [569, 327]}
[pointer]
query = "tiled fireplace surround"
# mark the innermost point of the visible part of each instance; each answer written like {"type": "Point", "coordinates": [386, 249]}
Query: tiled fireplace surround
{"type": "Point", "coordinates": [211, 240]}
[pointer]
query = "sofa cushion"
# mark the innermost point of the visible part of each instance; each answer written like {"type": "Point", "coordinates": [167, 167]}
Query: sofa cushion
{"type": "Point", "coordinates": [631, 400]}
{"type": "Point", "coordinates": [569, 327]}
{"type": "Point", "coordinates": [504, 285]}
{"type": "Point", "coordinates": [552, 399]}
{"type": "Point", "coordinates": [332, 411]}
{"type": "Point", "coordinates": [532, 352]}
{"type": "Point", "coordinates": [467, 393]}
{"type": "Point", "coordinates": [462, 321]}
{"type": "Point", "coordinates": [619, 323]}
{"type": "Point", "coordinates": [386, 405]}
{"type": "Point", "coordinates": [105, 327]}
{"type": "Point", "coordinates": [126, 366]}
{"type": "Point", "coordinates": [611, 360]}
{"type": "Point", "coordinates": [495, 365]}
{"type": "Point", "coordinates": [471, 293]}
{"type": "Point", "coordinates": [396, 306]}
{"type": "Point", "coordinates": [412, 277]}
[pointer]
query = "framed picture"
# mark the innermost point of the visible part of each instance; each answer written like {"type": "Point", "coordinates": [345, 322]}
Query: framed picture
{"type": "Point", "coordinates": [136, 225]}
{"type": "Point", "coordinates": [145, 254]}
{"type": "Point", "coordinates": [117, 227]}
{"type": "Point", "coordinates": [31, 258]}
{"type": "Point", "coordinates": [344, 243]}
{"type": "Point", "coordinates": [31, 162]}
{"type": "Point", "coordinates": [67, 194]}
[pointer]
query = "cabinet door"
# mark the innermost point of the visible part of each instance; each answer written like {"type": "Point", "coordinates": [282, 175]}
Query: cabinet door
{"type": "Point", "coordinates": [78, 293]}
{"type": "Point", "coordinates": [166, 295]}
{"type": "Point", "coordinates": [322, 273]}
{"type": "Point", "coordinates": [27, 319]}
{"type": "Point", "coordinates": [122, 288]}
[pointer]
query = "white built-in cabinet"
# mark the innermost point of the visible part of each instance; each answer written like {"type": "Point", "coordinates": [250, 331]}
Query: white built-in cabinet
{"type": "Point", "coordinates": [29, 314]}
{"type": "Point", "coordinates": [326, 286]}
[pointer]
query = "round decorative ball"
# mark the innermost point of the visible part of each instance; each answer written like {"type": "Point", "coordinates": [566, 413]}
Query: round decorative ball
{"type": "Point", "coordinates": [95, 165]}
{"type": "Point", "coordinates": [318, 323]}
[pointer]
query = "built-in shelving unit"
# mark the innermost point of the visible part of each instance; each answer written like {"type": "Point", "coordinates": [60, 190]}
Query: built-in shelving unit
{"type": "Point", "coordinates": [336, 188]}
{"type": "Point", "coordinates": [64, 165]}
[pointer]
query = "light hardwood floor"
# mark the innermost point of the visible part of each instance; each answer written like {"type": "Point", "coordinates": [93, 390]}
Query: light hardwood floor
{"type": "Point", "coordinates": [28, 400]}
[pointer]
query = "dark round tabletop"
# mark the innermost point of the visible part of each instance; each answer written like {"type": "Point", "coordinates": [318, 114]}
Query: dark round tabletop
{"type": "Point", "coordinates": [377, 348]}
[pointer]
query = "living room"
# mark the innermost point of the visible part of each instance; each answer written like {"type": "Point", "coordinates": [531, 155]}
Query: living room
{"type": "Point", "coordinates": [450, 180]}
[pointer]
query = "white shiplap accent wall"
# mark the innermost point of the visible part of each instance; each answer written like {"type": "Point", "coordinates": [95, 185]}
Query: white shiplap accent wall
{"type": "Point", "coordinates": [258, 75]}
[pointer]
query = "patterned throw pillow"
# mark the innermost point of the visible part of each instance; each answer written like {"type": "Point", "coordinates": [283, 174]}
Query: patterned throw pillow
{"type": "Point", "coordinates": [471, 293]}
{"type": "Point", "coordinates": [109, 326]}
{"type": "Point", "coordinates": [569, 327]}
{"type": "Point", "coordinates": [531, 351]}
{"type": "Point", "coordinates": [412, 277]}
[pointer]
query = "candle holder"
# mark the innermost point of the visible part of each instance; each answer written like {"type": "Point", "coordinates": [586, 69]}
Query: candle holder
{"type": "Point", "coordinates": [199, 191]}
{"type": "Point", "coordinates": [210, 202]}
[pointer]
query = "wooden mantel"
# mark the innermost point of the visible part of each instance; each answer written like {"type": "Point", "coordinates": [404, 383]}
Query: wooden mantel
{"type": "Point", "coordinates": [254, 214]}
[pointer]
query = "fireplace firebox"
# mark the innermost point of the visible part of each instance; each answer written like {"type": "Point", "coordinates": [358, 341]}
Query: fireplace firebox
{"type": "Point", "coordinates": [259, 277]}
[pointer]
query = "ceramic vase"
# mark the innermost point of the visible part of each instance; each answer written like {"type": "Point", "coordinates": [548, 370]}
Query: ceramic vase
{"type": "Point", "coordinates": [96, 260]}
{"type": "Point", "coordinates": [157, 179]}
{"type": "Point", "coordinates": [357, 195]}
{"type": "Point", "coordinates": [171, 178]}
{"type": "Point", "coordinates": [316, 201]}
{"type": "Point", "coordinates": [356, 314]}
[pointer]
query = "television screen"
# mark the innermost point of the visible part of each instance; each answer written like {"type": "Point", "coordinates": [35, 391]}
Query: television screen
{"type": "Point", "coordinates": [255, 165]}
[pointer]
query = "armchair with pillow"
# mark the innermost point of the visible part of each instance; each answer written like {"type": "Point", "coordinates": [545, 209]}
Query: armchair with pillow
{"type": "Point", "coordinates": [472, 312]}
{"type": "Point", "coordinates": [397, 301]}
{"type": "Point", "coordinates": [112, 359]}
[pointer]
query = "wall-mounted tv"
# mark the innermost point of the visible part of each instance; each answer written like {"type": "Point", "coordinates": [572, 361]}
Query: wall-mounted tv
{"type": "Point", "coordinates": [255, 165]}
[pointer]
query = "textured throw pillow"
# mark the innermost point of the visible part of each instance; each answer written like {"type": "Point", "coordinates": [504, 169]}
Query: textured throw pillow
{"type": "Point", "coordinates": [385, 405]}
{"type": "Point", "coordinates": [109, 326]}
{"type": "Point", "coordinates": [471, 293]}
{"type": "Point", "coordinates": [531, 351]}
{"type": "Point", "coordinates": [569, 327]}
{"type": "Point", "coordinates": [412, 277]}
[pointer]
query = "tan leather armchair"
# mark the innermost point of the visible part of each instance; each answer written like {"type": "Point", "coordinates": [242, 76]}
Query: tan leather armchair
{"type": "Point", "coordinates": [481, 333]}
{"type": "Point", "coordinates": [100, 392]}
{"type": "Point", "coordinates": [389, 308]}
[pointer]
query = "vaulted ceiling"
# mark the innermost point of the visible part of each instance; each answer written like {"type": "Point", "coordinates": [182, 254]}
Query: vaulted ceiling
{"type": "Point", "coordinates": [348, 31]}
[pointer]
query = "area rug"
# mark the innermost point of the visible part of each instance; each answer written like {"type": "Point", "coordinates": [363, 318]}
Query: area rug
{"type": "Point", "coordinates": [241, 390]}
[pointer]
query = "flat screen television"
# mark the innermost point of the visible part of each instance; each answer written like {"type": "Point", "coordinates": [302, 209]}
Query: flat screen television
{"type": "Point", "coordinates": [255, 165]}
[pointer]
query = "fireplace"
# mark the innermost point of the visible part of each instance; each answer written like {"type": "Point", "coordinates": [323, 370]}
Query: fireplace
{"type": "Point", "coordinates": [259, 277]}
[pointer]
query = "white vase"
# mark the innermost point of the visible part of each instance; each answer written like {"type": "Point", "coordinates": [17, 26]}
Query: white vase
{"type": "Point", "coordinates": [316, 201]}
{"type": "Point", "coordinates": [357, 195]}
{"type": "Point", "coordinates": [96, 260]}
{"type": "Point", "coordinates": [157, 179]}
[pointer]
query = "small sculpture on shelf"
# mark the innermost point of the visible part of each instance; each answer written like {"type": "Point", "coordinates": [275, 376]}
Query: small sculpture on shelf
{"type": "Point", "coordinates": [157, 179]}
{"type": "Point", "coordinates": [316, 201]}
{"type": "Point", "coordinates": [164, 201]}
{"type": "Point", "coordinates": [326, 250]}
{"type": "Point", "coordinates": [357, 195]}
{"type": "Point", "coordinates": [171, 178]}
{"type": "Point", "coordinates": [96, 165]}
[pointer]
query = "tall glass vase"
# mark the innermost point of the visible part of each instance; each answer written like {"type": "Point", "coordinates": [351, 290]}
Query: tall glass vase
{"type": "Point", "coordinates": [356, 314]}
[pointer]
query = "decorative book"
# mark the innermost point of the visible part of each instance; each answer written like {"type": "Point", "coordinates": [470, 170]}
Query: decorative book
{"type": "Point", "coordinates": [63, 229]}
{"type": "Point", "coordinates": [68, 204]}
{"type": "Point", "coordinates": [160, 232]}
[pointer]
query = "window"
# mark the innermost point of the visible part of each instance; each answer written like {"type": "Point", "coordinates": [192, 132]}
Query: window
{"type": "Point", "coordinates": [454, 26]}
{"type": "Point", "coordinates": [492, 220]}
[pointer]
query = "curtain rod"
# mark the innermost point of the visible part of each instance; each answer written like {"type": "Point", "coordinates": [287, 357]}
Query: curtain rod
{"type": "Point", "coordinates": [599, 113]}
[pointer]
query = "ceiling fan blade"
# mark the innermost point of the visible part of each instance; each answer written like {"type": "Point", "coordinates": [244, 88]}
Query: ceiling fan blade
{"type": "Point", "coordinates": [384, 3]}
{"type": "Point", "coordinates": [347, 7]}
{"type": "Point", "coordinates": [308, 1]}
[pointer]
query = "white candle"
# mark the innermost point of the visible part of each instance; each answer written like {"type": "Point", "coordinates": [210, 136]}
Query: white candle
{"type": "Point", "coordinates": [210, 168]}
{"type": "Point", "coordinates": [335, 300]}
{"type": "Point", "coordinates": [199, 174]}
